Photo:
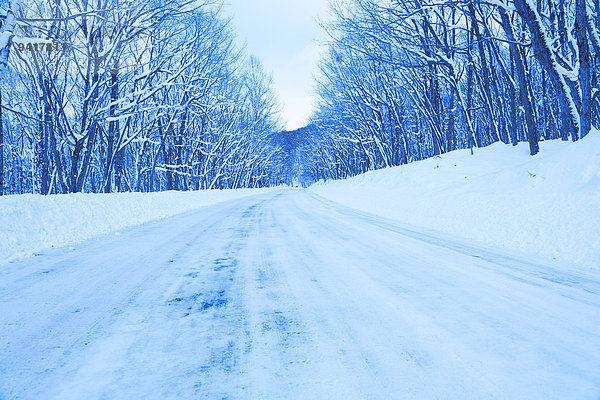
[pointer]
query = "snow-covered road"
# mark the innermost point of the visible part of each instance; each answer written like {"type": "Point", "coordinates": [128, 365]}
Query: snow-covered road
{"type": "Point", "coordinates": [285, 295]}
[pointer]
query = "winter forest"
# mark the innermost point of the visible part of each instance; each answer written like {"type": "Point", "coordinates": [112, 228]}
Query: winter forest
{"type": "Point", "coordinates": [300, 199]}
{"type": "Point", "coordinates": [121, 95]}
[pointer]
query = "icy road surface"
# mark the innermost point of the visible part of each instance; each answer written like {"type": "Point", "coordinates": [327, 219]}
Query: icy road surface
{"type": "Point", "coordinates": [285, 295]}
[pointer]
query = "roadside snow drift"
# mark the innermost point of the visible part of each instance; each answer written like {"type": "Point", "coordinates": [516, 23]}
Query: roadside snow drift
{"type": "Point", "coordinates": [547, 205]}
{"type": "Point", "coordinates": [31, 223]}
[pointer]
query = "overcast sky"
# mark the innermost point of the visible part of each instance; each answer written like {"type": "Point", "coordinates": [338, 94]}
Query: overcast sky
{"type": "Point", "coordinates": [283, 34]}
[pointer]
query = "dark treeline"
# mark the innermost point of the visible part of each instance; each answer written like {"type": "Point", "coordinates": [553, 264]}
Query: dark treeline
{"type": "Point", "coordinates": [295, 155]}
{"type": "Point", "coordinates": [130, 95]}
{"type": "Point", "coordinates": [410, 79]}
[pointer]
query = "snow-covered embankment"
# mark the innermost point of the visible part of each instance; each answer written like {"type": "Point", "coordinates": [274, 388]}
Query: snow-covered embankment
{"type": "Point", "coordinates": [547, 205]}
{"type": "Point", "coordinates": [31, 223]}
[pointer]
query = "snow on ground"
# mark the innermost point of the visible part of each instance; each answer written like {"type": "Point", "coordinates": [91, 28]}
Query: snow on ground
{"type": "Point", "coordinates": [31, 223]}
{"type": "Point", "coordinates": [547, 205]}
{"type": "Point", "coordinates": [286, 295]}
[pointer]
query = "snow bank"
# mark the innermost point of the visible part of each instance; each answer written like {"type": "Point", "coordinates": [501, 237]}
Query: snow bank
{"type": "Point", "coordinates": [547, 205]}
{"type": "Point", "coordinates": [30, 223]}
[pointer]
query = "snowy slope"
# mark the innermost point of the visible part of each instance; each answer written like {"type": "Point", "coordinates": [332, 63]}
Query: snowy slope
{"type": "Point", "coordinates": [547, 205]}
{"type": "Point", "coordinates": [31, 223]}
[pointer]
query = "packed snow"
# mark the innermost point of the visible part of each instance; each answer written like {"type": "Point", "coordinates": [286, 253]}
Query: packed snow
{"type": "Point", "coordinates": [286, 295]}
{"type": "Point", "coordinates": [32, 223]}
{"type": "Point", "coordinates": [547, 205]}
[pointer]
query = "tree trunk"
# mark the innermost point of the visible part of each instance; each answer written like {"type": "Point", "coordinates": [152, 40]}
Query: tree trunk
{"type": "Point", "coordinates": [91, 135]}
{"type": "Point", "coordinates": [75, 164]}
{"type": "Point", "coordinates": [525, 93]}
{"type": "Point", "coordinates": [570, 96]}
{"type": "Point", "coordinates": [113, 130]}
{"type": "Point", "coordinates": [45, 127]}
{"type": "Point", "coordinates": [485, 72]}
{"type": "Point", "coordinates": [585, 77]}
{"type": "Point", "coordinates": [513, 103]}
{"type": "Point", "coordinates": [1, 147]}
{"type": "Point", "coordinates": [473, 138]}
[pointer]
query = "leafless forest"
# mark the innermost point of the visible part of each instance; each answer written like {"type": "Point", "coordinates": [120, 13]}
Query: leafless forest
{"type": "Point", "coordinates": [115, 95]}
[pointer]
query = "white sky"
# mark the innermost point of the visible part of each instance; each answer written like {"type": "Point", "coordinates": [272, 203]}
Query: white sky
{"type": "Point", "coordinates": [283, 34]}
